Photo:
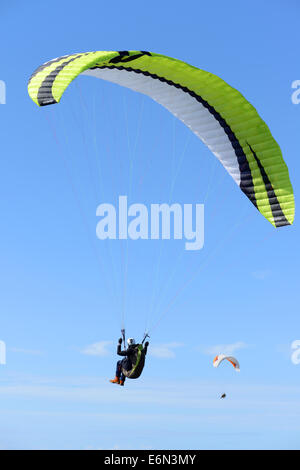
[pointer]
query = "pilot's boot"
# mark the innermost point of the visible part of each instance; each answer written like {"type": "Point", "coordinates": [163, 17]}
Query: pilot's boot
{"type": "Point", "coordinates": [116, 380]}
{"type": "Point", "coordinates": [121, 382]}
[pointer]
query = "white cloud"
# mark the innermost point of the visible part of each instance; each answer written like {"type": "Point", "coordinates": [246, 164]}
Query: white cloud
{"type": "Point", "coordinates": [224, 348]}
{"type": "Point", "coordinates": [164, 351]}
{"type": "Point", "coordinates": [25, 351]}
{"type": "Point", "coordinates": [254, 415]}
{"type": "Point", "coordinates": [190, 395]}
{"type": "Point", "coordinates": [262, 274]}
{"type": "Point", "coordinates": [97, 349]}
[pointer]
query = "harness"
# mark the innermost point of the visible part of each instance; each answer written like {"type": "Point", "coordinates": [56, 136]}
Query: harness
{"type": "Point", "coordinates": [137, 359]}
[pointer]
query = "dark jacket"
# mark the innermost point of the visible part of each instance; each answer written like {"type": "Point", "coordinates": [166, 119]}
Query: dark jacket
{"type": "Point", "coordinates": [129, 353]}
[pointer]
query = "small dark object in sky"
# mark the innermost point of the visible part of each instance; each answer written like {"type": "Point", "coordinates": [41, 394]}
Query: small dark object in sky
{"type": "Point", "coordinates": [223, 396]}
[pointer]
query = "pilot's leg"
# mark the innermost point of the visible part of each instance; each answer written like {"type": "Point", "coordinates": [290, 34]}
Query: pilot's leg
{"type": "Point", "coordinates": [116, 380]}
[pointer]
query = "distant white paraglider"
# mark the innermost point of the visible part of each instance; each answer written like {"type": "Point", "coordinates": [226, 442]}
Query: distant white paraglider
{"type": "Point", "coordinates": [221, 357]}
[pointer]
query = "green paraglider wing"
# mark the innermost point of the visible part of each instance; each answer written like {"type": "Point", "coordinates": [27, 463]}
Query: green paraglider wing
{"type": "Point", "coordinates": [217, 113]}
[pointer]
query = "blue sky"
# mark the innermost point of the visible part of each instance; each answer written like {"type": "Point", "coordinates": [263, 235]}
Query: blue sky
{"type": "Point", "coordinates": [63, 291]}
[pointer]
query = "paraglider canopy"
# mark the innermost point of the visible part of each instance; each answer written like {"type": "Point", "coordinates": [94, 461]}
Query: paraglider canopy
{"type": "Point", "coordinates": [217, 113]}
{"type": "Point", "coordinates": [221, 357]}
